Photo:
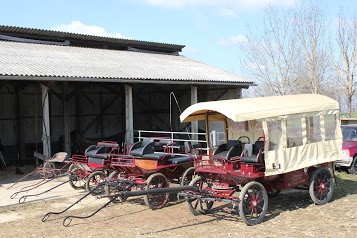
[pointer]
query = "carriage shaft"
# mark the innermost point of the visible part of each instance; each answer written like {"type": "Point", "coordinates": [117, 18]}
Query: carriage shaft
{"type": "Point", "coordinates": [126, 194]}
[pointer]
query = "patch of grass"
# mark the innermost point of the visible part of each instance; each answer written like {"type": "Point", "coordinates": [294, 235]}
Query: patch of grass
{"type": "Point", "coordinates": [346, 184]}
{"type": "Point", "coordinates": [344, 115]}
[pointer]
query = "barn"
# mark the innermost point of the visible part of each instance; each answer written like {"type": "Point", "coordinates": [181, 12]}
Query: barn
{"type": "Point", "coordinates": [59, 89]}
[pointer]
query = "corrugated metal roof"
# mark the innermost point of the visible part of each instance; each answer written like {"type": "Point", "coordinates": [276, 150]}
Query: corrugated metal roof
{"type": "Point", "coordinates": [50, 34]}
{"type": "Point", "coordinates": [75, 63]}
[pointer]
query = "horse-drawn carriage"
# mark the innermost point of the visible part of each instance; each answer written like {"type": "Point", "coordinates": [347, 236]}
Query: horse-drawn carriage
{"type": "Point", "coordinates": [271, 144]}
{"type": "Point", "coordinates": [284, 142]}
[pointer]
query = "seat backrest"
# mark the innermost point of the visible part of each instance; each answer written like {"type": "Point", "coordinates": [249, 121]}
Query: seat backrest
{"type": "Point", "coordinates": [146, 146]}
{"type": "Point", "coordinates": [146, 141]}
{"type": "Point", "coordinates": [257, 146]}
{"type": "Point", "coordinates": [249, 149]}
{"type": "Point", "coordinates": [232, 143]}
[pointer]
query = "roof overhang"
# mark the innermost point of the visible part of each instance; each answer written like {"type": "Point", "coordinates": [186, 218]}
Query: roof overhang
{"type": "Point", "coordinates": [28, 61]}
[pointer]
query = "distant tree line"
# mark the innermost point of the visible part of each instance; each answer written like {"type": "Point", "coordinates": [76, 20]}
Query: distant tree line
{"type": "Point", "coordinates": [300, 50]}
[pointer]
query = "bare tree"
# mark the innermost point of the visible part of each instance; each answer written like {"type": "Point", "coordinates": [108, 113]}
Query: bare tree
{"type": "Point", "coordinates": [311, 29]}
{"type": "Point", "coordinates": [346, 63]}
{"type": "Point", "coordinates": [270, 57]}
{"type": "Point", "coordinates": [291, 55]}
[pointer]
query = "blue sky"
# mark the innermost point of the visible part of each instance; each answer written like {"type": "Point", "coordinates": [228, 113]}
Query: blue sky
{"type": "Point", "coordinates": [210, 29]}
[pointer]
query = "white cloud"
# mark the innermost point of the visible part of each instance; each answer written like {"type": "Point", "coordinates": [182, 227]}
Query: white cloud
{"type": "Point", "coordinates": [79, 27]}
{"type": "Point", "coordinates": [222, 4]}
{"type": "Point", "coordinates": [234, 40]}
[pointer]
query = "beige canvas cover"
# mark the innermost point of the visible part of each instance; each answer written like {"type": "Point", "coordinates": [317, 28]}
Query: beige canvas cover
{"type": "Point", "coordinates": [256, 108]}
{"type": "Point", "coordinates": [283, 159]}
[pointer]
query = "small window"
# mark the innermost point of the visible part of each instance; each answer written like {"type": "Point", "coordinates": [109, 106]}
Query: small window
{"type": "Point", "coordinates": [293, 132]}
{"type": "Point", "coordinates": [313, 129]}
{"type": "Point", "coordinates": [274, 132]}
{"type": "Point", "coordinates": [349, 133]}
{"type": "Point", "coordinates": [217, 133]}
{"type": "Point", "coordinates": [330, 127]}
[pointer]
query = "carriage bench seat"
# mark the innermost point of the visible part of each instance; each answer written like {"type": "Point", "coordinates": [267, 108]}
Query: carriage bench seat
{"type": "Point", "coordinates": [96, 152]}
{"type": "Point", "coordinates": [178, 159]}
{"type": "Point", "coordinates": [156, 156]}
{"type": "Point", "coordinates": [97, 160]}
{"type": "Point", "coordinates": [251, 159]}
{"type": "Point", "coordinates": [99, 156]}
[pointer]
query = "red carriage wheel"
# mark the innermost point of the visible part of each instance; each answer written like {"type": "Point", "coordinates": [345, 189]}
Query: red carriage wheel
{"type": "Point", "coordinates": [188, 176]}
{"type": "Point", "coordinates": [156, 201]}
{"type": "Point", "coordinates": [75, 179]}
{"type": "Point", "coordinates": [321, 186]}
{"type": "Point", "coordinates": [253, 203]}
{"type": "Point", "coordinates": [196, 205]}
{"type": "Point", "coordinates": [111, 190]}
{"type": "Point", "coordinates": [93, 180]}
{"type": "Point", "coordinates": [48, 170]}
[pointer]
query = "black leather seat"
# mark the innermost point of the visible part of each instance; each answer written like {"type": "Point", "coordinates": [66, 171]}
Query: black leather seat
{"type": "Point", "coordinates": [257, 154]}
{"type": "Point", "coordinates": [145, 146]}
{"type": "Point", "coordinates": [156, 156]}
{"type": "Point", "coordinates": [96, 154]}
{"type": "Point", "coordinates": [231, 149]}
{"type": "Point", "coordinates": [178, 159]}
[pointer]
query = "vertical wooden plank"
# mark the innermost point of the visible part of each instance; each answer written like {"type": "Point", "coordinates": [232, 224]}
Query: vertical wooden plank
{"type": "Point", "coordinates": [194, 124]}
{"type": "Point", "coordinates": [20, 125]}
{"type": "Point", "coordinates": [101, 115]}
{"type": "Point", "coordinates": [66, 129]}
{"type": "Point", "coordinates": [129, 114]}
{"type": "Point", "coordinates": [78, 114]}
{"type": "Point", "coordinates": [46, 133]}
{"type": "Point", "coordinates": [238, 93]}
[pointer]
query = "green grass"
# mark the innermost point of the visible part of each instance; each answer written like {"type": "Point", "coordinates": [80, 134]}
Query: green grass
{"type": "Point", "coordinates": [344, 114]}
{"type": "Point", "coordinates": [346, 184]}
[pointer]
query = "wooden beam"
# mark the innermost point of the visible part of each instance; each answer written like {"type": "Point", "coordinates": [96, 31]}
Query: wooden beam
{"type": "Point", "coordinates": [88, 98]}
{"type": "Point", "coordinates": [129, 121]}
{"type": "Point", "coordinates": [20, 124]}
{"type": "Point", "coordinates": [105, 108]}
{"type": "Point", "coordinates": [66, 129]}
{"type": "Point", "coordinates": [221, 94]}
{"type": "Point", "coordinates": [101, 115]}
{"type": "Point", "coordinates": [75, 91]}
{"type": "Point", "coordinates": [194, 124]}
{"type": "Point", "coordinates": [149, 106]}
{"type": "Point", "coordinates": [46, 134]}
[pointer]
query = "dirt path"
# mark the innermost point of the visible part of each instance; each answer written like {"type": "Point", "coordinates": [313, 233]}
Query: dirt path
{"type": "Point", "coordinates": [291, 214]}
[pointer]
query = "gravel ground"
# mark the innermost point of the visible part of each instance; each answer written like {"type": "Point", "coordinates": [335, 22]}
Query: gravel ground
{"type": "Point", "coordinates": [291, 214]}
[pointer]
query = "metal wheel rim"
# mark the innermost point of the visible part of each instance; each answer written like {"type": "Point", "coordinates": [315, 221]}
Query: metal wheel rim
{"type": "Point", "coordinates": [322, 185]}
{"type": "Point", "coordinates": [157, 200]}
{"type": "Point", "coordinates": [253, 203]}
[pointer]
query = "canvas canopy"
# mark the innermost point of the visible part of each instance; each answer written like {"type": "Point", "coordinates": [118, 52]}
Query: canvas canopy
{"type": "Point", "coordinates": [258, 108]}
{"type": "Point", "coordinates": [302, 110]}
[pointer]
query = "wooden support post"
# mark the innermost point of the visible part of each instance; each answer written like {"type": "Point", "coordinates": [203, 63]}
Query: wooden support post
{"type": "Point", "coordinates": [66, 129]}
{"type": "Point", "coordinates": [238, 92]}
{"type": "Point", "coordinates": [129, 137]}
{"type": "Point", "coordinates": [78, 114]}
{"type": "Point", "coordinates": [46, 135]}
{"type": "Point", "coordinates": [101, 115]}
{"type": "Point", "coordinates": [194, 124]}
{"type": "Point", "coordinates": [20, 125]}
